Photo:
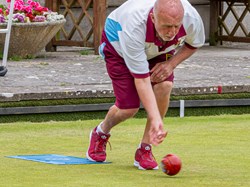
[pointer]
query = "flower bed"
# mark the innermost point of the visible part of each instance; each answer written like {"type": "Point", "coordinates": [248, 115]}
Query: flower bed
{"type": "Point", "coordinates": [33, 27]}
{"type": "Point", "coordinates": [29, 11]}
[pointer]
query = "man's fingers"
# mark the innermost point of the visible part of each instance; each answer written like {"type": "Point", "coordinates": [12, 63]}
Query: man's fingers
{"type": "Point", "coordinates": [153, 134]}
{"type": "Point", "coordinates": [155, 67]}
{"type": "Point", "coordinates": [164, 134]}
{"type": "Point", "coordinates": [156, 73]}
{"type": "Point", "coordinates": [158, 138]}
{"type": "Point", "coordinates": [161, 136]}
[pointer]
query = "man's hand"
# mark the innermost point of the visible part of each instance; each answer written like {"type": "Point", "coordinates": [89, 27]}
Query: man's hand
{"type": "Point", "coordinates": [161, 71]}
{"type": "Point", "coordinates": [157, 135]}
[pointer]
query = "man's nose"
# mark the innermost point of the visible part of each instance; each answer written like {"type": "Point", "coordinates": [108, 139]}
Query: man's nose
{"type": "Point", "coordinates": [172, 31]}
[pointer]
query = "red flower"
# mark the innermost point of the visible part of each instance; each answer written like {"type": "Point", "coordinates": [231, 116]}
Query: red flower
{"type": "Point", "coordinates": [30, 15]}
{"type": "Point", "coordinates": [38, 8]}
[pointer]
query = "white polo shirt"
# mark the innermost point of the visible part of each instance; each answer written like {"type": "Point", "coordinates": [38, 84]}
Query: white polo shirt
{"type": "Point", "coordinates": [131, 32]}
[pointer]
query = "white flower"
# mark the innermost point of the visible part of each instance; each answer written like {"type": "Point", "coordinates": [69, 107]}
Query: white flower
{"type": "Point", "coordinates": [53, 16]}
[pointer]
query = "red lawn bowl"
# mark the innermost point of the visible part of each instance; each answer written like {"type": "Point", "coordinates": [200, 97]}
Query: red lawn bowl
{"type": "Point", "coordinates": [171, 164]}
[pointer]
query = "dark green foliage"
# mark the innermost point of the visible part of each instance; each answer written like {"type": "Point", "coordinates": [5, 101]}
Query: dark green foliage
{"type": "Point", "coordinates": [203, 111]}
{"type": "Point", "coordinates": [173, 112]}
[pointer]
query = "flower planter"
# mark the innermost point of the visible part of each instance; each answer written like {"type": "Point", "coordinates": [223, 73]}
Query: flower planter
{"type": "Point", "coordinates": [27, 39]}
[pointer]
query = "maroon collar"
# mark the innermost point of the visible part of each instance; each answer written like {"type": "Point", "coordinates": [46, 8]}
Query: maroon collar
{"type": "Point", "coordinates": [151, 32]}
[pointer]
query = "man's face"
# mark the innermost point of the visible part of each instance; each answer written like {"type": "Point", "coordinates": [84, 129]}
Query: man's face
{"type": "Point", "coordinates": [166, 26]}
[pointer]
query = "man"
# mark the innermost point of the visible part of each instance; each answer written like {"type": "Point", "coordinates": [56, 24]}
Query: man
{"type": "Point", "coordinates": [138, 45]}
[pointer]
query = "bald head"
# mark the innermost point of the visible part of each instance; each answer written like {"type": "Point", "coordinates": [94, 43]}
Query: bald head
{"type": "Point", "coordinates": [171, 8]}
{"type": "Point", "coordinates": [167, 17]}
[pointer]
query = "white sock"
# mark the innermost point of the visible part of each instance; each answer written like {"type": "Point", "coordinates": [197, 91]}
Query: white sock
{"type": "Point", "coordinates": [141, 143]}
{"type": "Point", "coordinates": [139, 146]}
{"type": "Point", "coordinates": [99, 129]}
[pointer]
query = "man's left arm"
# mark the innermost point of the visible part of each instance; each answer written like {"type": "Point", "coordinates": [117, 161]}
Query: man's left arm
{"type": "Point", "coordinates": [163, 70]}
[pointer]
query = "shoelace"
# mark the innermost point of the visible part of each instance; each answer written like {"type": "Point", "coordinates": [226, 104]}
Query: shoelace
{"type": "Point", "coordinates": [101, 145]}
{"type": "Point", "coordinates": [149, 153]}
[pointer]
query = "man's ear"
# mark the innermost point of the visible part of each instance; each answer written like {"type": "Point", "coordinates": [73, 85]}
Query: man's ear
{"type": "Point", "coordinates": [152, 17]}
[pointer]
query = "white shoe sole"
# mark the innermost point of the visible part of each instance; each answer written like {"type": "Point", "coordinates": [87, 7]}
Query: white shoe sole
{"type": "Point", "coordinates": [136, 164]}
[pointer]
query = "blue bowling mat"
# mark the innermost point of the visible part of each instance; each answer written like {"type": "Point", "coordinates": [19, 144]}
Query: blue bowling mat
{"type": "Point", "coordinates": [56, 159]}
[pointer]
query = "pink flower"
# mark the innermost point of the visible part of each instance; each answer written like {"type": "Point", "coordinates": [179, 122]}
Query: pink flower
{"type": "Point", "coordinates": [30, 9]}
{"type": "Point", "coordinates": [27, 9]}
{"type": "Point", "coordinates": [18, 7]}
{"type": "Point", "coordinates": [40, 9]}
{"type": "Point", "coordinates": [39, 19]}
{"type": "Point", "coordinates": [19, 17]}
{"type": "Point", "coordinates": [34, 4]}
{"type": "Point", "coordinates": [2, 19]}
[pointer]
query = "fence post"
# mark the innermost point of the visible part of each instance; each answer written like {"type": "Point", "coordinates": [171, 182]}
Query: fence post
{"type": "Point", "coordinates": [99, 20]}
{"type": "Point", "coordinates": [182, 108]}
{"type": "Point", "coordinates": [54, 6]}
{"type": "Point", "coordinates": [214, 13]}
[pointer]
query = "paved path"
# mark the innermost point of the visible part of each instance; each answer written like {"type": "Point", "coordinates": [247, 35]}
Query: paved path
{"type": "Point", "coordinates": [68, 74]}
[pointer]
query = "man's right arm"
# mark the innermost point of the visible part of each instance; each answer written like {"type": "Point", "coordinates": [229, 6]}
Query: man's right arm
{"type": "Point", "coordinates": [147, 97]}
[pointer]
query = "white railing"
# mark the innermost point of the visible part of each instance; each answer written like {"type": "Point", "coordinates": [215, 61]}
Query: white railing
{"type": "Point", "coordinates": [7, 31]}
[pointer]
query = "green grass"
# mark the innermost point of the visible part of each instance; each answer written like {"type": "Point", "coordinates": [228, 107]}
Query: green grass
{"type": "Point", "coordinates": [17, 58]}
{"type": "Point", "coordinates": [214, 151]}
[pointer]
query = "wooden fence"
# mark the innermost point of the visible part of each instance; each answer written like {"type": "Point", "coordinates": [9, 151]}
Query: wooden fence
{"type": "Point", "coordinates": [223, 10]}
{"type": "Point", "coordinates": [85, 19]}
{"type": "Point", "coordinates": [87, 24]}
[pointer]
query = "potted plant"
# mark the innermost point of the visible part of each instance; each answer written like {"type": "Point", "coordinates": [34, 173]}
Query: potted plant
{"type": "Point", "coordinates": [32, 29]}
